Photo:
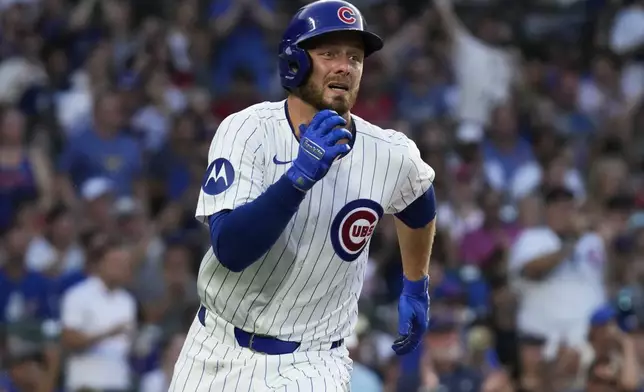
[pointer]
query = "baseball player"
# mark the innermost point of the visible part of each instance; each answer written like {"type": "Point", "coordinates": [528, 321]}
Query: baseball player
{"type": "Point", "coordinates": [291, 195]}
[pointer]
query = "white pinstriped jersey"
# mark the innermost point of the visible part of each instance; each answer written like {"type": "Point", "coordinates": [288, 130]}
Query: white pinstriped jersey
{"type": "Point", "coordinates": [306, 286]}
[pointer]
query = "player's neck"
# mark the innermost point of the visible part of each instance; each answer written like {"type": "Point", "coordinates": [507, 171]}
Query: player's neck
{"type": "Point", "coordinates": [300, 112]}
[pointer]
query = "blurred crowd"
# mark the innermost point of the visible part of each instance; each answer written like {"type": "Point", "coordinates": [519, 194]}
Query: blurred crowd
{"type": "Point", "coordinates": [528, 110]}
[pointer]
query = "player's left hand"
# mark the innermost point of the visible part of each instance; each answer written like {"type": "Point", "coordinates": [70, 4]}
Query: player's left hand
{"type": "Point", "coordinates": [413, 315]}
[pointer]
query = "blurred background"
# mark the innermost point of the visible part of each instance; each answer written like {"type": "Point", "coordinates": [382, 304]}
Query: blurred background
{"type": "Point", "coordinates": [529, 111]}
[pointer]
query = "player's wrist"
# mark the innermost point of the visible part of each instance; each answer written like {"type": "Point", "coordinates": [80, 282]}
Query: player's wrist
{"type": "Point", "coordinates": [416, 286]}
{"type": "Point", "coordinates": [299, 180]}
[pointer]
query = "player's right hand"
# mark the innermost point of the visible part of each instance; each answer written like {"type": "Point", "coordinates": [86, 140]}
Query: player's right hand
{"type": "Point", "coordinates": [318, 149]}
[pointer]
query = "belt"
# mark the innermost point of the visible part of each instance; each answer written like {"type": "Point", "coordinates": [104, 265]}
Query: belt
{"type": "Point", "coordinates": [263, 344]}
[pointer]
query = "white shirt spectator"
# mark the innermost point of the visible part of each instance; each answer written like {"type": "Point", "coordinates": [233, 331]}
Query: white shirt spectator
{"type": "Point", "coordinates": [74, 106]}
{"type": "Point", "coordinates": [41, 255]}
{"type": "Point", "coordinates": [91, 308]}
{"type": "Point", "coordinates": [626, 35]}
{"type": "Point", "coordinates": [477, 95]}
{"type": "Point", "coordinates": [179, 45]}
{"type": "Point", "coordinates": [559, 306]}
{"type": "Point", "coordinates": [16, 76]}
{"type": "Point", "coordinates": [627, 32]}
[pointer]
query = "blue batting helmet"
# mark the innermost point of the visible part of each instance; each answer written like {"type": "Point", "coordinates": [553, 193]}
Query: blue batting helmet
{"type": "Point", "coordinates": [313, 20]}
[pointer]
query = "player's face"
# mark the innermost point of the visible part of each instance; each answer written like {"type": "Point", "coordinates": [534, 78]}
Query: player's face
{"type": "Point", "coordinates": [337, 69]}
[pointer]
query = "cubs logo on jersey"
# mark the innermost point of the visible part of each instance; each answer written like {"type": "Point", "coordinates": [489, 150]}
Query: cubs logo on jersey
{"type": "Point", "coordinates": [353, 226]}
{"type": "Point", "coordinates": [306, 286]}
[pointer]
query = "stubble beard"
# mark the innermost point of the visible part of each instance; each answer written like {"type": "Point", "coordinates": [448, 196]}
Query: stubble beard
{"type": "Point", "coordinates": [314, 96]}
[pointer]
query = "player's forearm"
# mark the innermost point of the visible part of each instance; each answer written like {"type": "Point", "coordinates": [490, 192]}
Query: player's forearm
{"type": "Point", "coordinates": [416, 228]}
{"type": "Point", "coordinates": [242, 236]}
{"type": "Point", "coordinates": [416, 248]}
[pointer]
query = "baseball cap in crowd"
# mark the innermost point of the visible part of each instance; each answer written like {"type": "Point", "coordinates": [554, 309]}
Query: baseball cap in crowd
{"type": "Point", "coordinates": [602, 316]}
{"type": "Point", "coordinates": [96, 187]}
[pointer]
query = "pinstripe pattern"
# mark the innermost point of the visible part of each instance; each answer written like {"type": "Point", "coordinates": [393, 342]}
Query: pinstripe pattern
{"type": "Point", "coordinates": [303, 289]}
{"type": "Point", "coordinates": [216, 363]}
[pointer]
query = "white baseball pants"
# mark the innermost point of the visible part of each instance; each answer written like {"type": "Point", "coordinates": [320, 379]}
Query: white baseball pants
{"type": "Point", "coordinates": [212, 360]}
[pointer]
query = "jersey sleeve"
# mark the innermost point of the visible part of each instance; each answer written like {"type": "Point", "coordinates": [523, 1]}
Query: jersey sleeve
{"type": "Point", "coordinates": [235, 172]}
{"type": "Point", "coordinates": [415, 179]}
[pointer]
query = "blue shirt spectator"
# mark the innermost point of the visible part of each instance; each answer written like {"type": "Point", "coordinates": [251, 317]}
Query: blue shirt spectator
{"type": "Point", "coordinates": [104, 150]}
{"type": "Point", "coordinates": [423, 97]}
{"type": "Point", "coordinates": [24, 294]}
{"type": "Point", "coordinates": [24, 297]}
{"type": "Point", "coordinates": [88, 155]}
{"type": "Point", "coordinates": [242, 41]}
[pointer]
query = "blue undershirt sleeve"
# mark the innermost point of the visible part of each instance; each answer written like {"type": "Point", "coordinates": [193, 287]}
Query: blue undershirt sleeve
{"type": "Point", "coordinates": [239, 237]}
{"type": "Point", "coordinates": [421, 211]}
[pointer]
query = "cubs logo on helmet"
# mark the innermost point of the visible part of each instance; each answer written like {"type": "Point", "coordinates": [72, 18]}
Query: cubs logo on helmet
{"type": "Point", "coordinates": [347, 15]}
{"type": "Point", "coordinates": [313, 20]}
{"type": "Point", "coordinates": [353, 226]}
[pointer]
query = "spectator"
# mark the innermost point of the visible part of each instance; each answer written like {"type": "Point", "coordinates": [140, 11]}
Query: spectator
{"type": "Point", "coordinates": [375, 103]}
{"type": "Point", "coordinates": [626, 39]}
{"type": "Point", "coordinates": [158, 380]}
{"type": "Point", "coordinates": [29, 371]}
{"type": "Point", "coordinates": [170, 167]}
{"type": "Point", "coordinates": [559, 269]}
{"type": "Point", "coordinates": [57, 252]}
{"type": "Point", "coordinates": [102, 151]}
{"type": "Point", "coordinates": [610, 357]}
{"type": "Point", "coordinates": [179, 40]}
{"type": "Point", "coordinates": [363, 378]}
{"type": "Point", "coordinates": [239, 29]}
{"type": "Point", "coordinates": [445, 361]}
{"type": "Point", "coordinates": [124, 97]}
{"type": "Point", "coordinates": [25, 173]}
{"type": "Point", "coordinates": [422, 95]}
{"type": "Point", "coordinates": [165, 298]}
{"type": "Point", "coordinates": [153, 121]}
{"type": "Point", "coordinates": [474, 56]}
{"type": "Point", "coordinates": [74, 105]}
{"type": "Point", "coordinates": [98, 318]}
{"type": "Point", "coordinates": [97, 196]}
{"type": "Point", "coordinates": [490, 242]}
{"type": "Point", "coordinates": [24, 294]}
{"type": "Point", "coordinates": [505, 151]}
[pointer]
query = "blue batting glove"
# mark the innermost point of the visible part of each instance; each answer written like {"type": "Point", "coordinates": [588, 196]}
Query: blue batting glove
{"type": "Point", "coordinates": [318, 149]}
{"type": "Point", "coordinates": [413, 315]}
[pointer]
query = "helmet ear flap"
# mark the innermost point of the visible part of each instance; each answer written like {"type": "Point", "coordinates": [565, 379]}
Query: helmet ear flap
{"type": "Point", "coordinates": [295, 66]}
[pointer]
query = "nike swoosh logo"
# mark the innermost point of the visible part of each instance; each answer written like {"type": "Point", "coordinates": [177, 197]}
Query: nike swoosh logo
{"type": "Point", "coordinates": [278, 162]}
